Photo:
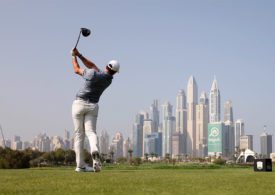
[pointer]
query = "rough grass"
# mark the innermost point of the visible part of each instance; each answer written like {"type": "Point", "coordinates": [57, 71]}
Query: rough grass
{"type": "Point", "coordinates": [141, 181]}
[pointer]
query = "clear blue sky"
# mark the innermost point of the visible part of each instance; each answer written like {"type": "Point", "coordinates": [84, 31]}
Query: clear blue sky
{"type": "Point", "coordinates": [159, 45]}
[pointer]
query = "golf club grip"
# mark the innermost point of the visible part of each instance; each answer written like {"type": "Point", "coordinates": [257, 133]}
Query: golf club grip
{"type": "Point", "coordinates": [77, 39]}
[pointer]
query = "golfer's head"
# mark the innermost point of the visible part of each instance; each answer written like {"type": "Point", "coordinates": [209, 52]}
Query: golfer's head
{"type": "Point", "coordinates": [113, 67]}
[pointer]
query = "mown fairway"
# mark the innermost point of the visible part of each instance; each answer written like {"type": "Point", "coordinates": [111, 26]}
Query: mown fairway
{"type": "Point", "coordinates": [148, 181]}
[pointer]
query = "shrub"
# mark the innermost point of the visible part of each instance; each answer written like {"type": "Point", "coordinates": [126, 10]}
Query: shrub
{"type": "Point", "coordinates": [13, 159]}
{"type": "Point", "coordinates": [219, 161]}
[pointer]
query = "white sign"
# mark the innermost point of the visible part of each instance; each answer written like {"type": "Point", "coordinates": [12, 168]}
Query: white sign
{"type": "Point", "coordinates": [259, 165]}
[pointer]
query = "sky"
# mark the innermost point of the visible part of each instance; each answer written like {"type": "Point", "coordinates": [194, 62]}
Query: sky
{"type": "Point", "coordinates": [159, 45]}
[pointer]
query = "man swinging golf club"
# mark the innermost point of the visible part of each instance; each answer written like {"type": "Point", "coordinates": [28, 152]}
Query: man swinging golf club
{"type": "Point", "coordinates": [85, 107]}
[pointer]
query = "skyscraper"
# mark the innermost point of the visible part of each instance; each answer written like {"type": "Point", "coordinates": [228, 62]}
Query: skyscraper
{"type": "Point", "coordinates": [228, 111]}
{"type": "Point", "coordinates": [168, 128]}
{"type": "Point", "coordinates": [147, 129]}
{"type": "Point", "coordinates": [181, 121]}
{"type": "Point", "coordinates": [202, 120]}
{"type": "Point", "coordinates": [239, 131]}
{"type": "Point", "coordinates": [17, 143]}
{"type": "Point", "coordinates": [216, 139]}
{"type": "Point", "coordinates": [153, 143]}
{"type": "Point", "coordinates": [126, 147]}
{"type": "Point", "coordinates": [167, 109]}
{"type": "Point", "coordinates": [246, 142]}
{"type": "Point", "coordinates": [215, 103]}
{"type": "Point", "coordinates": [117, 145]}
{"type": "Point", "coordinates": [56, 143]}
{"type": "Point", "coordinates": [181, 113]}
{"type": "Point", "coordinates": [192, 100]}
{"type": "Point", "coordinates": [138, 135]}
{"type": "Point", "coordinates": [266, 144]}
{"type": "Point", "coordinates": [67, 140]}
{"type": "Point", "coordinates": [229, 139]}
{"type": "Point", "coordinates": [154, 115]}
{"type": "Point", "coordinates": [104, 141]}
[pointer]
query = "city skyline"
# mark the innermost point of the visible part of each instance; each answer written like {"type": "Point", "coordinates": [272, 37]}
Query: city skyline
{"type": "Point", "coordinates": [168, 114]}
{"type": "Point", "coordinates": [159, 45]}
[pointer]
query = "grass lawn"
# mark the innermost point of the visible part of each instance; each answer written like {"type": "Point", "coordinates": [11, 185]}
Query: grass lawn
{"type": "Point", "coordinates": [142, 181]}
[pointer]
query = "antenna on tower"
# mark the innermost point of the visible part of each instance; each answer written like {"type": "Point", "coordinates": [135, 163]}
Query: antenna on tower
{"type": "Point", "coordinates": [3, 137]}
{"type": "Point", "coordinates": [265, 128]}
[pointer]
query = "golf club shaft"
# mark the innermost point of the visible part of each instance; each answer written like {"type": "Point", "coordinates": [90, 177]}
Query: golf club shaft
{"type": "Point", "coordinates": [77, 39]}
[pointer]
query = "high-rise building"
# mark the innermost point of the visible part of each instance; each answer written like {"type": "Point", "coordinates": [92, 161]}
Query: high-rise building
{"type": "Point", "coordinates": [177, 144]}
{"type": "Point", "coordinates": [239, 131]}
{"type": "Point", "coordinates": [167, 110]}
{"type": "Point", "coordinates": [181, 119]}
{"type": "Point", "coordinates": [216, 139]}
{"type": "Point", "coordinates": [147, 129]}
{"type": "Point", "coordinates": [56, 143]}
{"type": "Point", "coordinates": [42, 143]}
{"type": "Point", "coordinates": [215, 103]}
{"type": "Point", "coordinates": [228, 111]}
{"type": "Point", "coordinates": [17, 143]}
{"type": "Point", "coordinates": [246, 142]}
{"type": "Point", "coordinates": [117, 145]}
{"type": "Point", "coordinates": [126, 147]}
{"type": "Point", "coordinates": [138, 135]}
{"type": "Point", "coordinates": [26, 145]}
{"type": "Point", "coordinates": [202, 120]}
{"type": "Point", "coordinates": [154, 116]}
{"type": "Point", "coordinates": [104, 142]}
{"type": "Point", "coordinates": [169, 127]}
{"type": "Point", "coordinates": [192, 100]}
{"type": "Point", "coordinates": [153, 143]}
{"type": "Point", "coordinates": [181, 112]}
{"type": "Point", "coordinates": [266, 144]}
{"type": "Point", "coordinates": [229, 139]}
{"type": "Point", "coordinates": [67, 140]}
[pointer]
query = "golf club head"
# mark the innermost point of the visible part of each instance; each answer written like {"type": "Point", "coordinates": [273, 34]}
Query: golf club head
{"type": "Point", "coordinates": [85, 32]}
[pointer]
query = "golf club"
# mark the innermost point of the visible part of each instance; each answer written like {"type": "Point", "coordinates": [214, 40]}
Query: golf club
{"type": "Point", "coordinates": [85, 32]}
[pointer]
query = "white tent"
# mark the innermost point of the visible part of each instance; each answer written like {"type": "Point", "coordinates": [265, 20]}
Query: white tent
{"type": "Point", "coordinates": [246, 156]}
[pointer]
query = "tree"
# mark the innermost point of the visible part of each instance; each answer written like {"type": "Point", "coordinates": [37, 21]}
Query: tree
{"type": "Point", "coordinates": [13, 159]}
{"type": "Point", "coordinates": [167, 157]}
{"type": "Point", "coordinates": [59, 156]}
{"type": "Point", "coordinates": [146, 156]}
{"type": "Point", "coordinates": [69, 157]}
{"type": "Point", "coordinates": [130, 151]}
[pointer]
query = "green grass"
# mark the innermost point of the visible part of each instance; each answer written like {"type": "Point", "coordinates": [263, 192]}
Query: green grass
{"type": "Point", "coordinates": [141, 181]}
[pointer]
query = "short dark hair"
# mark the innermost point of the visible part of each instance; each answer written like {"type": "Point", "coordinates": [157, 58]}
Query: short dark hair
{"type": "Point", "coordinates": [111, 72]}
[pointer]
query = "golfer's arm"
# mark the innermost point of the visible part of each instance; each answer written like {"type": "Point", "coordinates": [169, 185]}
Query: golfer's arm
{"type": "Point", "coordinates": [88, 63]}
{"type": "Point", "coordinates": [76, 66]}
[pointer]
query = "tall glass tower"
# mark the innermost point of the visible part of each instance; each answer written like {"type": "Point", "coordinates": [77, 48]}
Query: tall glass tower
{"type": "Point", "coordinates": [202, 120]}
{"type": "Point", "coordinates": [239, 131]}
{"type": "Point", "coordinates": [138, 135]}
{"type": "Point", "coordinates": [154, 115]}
{"type": "Point", "coordinates": [181, 113]}
{"type": "Point", "coordinates": [192, 100]}
{"type": "Point", "coordinates": [266, 144]}
{"type": "Point", "coordinates": [215, 103]}
{"type": "Point", "coordinates": [168, 128]}
{"type": "Point", "coordinates": [228, 111]}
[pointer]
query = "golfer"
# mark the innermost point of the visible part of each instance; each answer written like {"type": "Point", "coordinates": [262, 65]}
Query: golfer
{"type": "Point", "coordinates": [85, 107]}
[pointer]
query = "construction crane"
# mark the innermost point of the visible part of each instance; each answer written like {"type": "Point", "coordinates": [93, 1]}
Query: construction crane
{"type": "Point", "coordinates": [4, 144]}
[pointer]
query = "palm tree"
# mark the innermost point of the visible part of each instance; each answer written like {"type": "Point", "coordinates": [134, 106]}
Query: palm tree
{"type": "Point", "coordinates": [167, 157]}
{"type": "Point", "coordinates": [146, 156]}
{"type": "Point", "coordinates": [130, 151]}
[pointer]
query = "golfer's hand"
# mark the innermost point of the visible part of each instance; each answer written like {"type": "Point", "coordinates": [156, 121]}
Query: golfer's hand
{"type": "Point", "coordinates": [75, 52]}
